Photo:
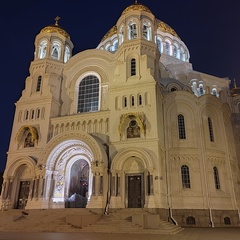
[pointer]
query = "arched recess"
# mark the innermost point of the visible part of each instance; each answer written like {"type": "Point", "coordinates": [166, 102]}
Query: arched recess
{"type": "Point", "coordinates": [27, 136]}
{"type": "Point", "coordinates": [132, 178]}
{"type": "Point", "coordinates": [18, 179]}
{"type": "Point", "coordinates": [123, 156]}
{"type": "Point", "coordinates": [79, 151]}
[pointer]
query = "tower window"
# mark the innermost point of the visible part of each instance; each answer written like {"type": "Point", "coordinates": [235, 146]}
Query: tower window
{"type": "Point", "coordinates": [133, 31]}
{"type": "Point", "coordinates": [216, 178]}
{"type": "Point", "coordinates": [39, 82]}
{"type": "Point", "coordinates": [159, 44]}
{"type": "Point", "coordinates": [146, 31]}
{"type": "Point", "coordinates": [133, 67]}
{"type": "Point", "coordinates": [66, 54]}
{"type": "Point", "coordinates": [185, 176]}
{"type": "Point", "coordinates": [181, 127]}
{"type": "Point", "coordinates": [88, 96]}
{"type": "Point", "coordinates": [210, 128]}
{"type": "Point", "coordinates": [56, 51]}
{"type": "Point", "coordinates": [42, 50]}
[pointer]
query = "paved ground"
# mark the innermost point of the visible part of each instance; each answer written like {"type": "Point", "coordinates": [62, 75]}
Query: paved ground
{"type": "Point", "coordinates": [186, 234]}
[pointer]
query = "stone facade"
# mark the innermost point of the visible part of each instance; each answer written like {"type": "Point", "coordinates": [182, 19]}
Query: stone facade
{"type": "Point", "coordinates": [129, 124]}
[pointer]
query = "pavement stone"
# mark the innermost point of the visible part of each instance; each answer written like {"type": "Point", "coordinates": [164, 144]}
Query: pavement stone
{"type": "Point", "coordinates": [186, 234]}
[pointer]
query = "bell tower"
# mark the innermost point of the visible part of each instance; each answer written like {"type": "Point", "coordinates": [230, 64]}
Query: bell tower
{"type": "Point", "coordinates": [41, 98]}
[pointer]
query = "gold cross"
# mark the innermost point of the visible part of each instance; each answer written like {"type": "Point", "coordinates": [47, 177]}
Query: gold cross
{"type": "Point", "coordinates": [56, 19]}
{"type": "Point", "coordinates": [136, 1]}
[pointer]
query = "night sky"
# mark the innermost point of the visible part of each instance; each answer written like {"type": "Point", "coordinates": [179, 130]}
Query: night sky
{"type": "Point", "coordinates": [210, 29]}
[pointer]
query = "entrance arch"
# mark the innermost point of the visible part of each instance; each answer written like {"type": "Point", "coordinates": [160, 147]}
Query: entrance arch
{"type": "Point", "coordinates": [78, 185]}
{"type": "Point", "coordinates": [64, 155]}
{"type": "Point", "coordinates": [132, 171]}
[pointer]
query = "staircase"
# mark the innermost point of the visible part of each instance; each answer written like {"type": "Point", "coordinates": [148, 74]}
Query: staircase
{"type": "Point", "coordinates": [56, 220]}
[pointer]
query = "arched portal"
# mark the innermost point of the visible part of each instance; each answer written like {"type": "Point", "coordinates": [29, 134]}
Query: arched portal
{"type": "Point", "coordinates": [78, 185]}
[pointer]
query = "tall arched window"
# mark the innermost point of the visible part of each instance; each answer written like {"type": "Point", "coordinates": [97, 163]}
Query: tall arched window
{"type": "Point", "coordinates": [39, 83]}
{"type": "Point", "coordinates": [132, 31]}
{"type": "Point", "coordinates": [210, 128]}
{"type": "Point", "coordinates": [146, 31]}
{"type": "Point", "coordinates": [216, 178]}
{"type": "Point", "coordinates": [88, 96]}
{"type": "Point", "coordinates": [133, 67]}
{"type": "Point", "coordinates": [185, 176]}
{"type": "Point", "coordinates": [167, 48]}
{"type": "Point", "coordinates": [56, 51]}
{"type": "Point", "coordinates": [67, 54]}
{"type": "Point", "coordinates": [121, 35]}
{"type": "Point", "coordinates": [42, 49]}
{"type": "Point", "coordinates": [181, 127]}
{"type": "Point", "coordinates": [175, 51]}
{"type": "Point", "coordinates": [159, 45]}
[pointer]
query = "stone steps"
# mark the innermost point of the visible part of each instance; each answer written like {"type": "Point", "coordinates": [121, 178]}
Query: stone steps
{"type": "Point", "coordinates": [54, 220]}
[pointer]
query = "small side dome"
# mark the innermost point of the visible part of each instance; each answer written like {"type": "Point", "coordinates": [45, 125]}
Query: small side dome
{"type": "Point", "coordinates": [136, 6]}
{"type": "Point", "coordinates": [55, 29]}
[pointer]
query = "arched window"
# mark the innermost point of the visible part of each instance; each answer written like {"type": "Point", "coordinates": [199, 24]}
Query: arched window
{"type": "Point", "coordinates": [66, 54]}
{"type": "Point", "coordinates": [159, 45]}
{"type": "Point", "coordinates": [210, 128]}
{"type": "Point", "coordinates": [185, 176]}
{"type": "Point", "coordinates": [139, 100]}
{"type": "Point", "coordinates": [38, 113]}
{"type": "Point", "coordinates": [39, 83]}
{"type": "Point", "coordinates": [175, 51]}
{"type": "Point", "coordinates": [108, 47]}
{"type": "Point", "coordinates": [133, 67]}
{"type": "Point", "coordinates": [181, 127]}
{"type": "Point", "coordinates": [56, 51]}
{"type": "Point", "coordinates": [88, 96]}
{"type": "Point", "coordinates": [42, 49]}
{"type": "Point", "coordinates": [190, 220]}
{"type": "Point", "coordinates": [132, 31]}
{"type": "Point", "coordinates": [227, 221]}
{"type": "Point", "coordinates": [125, 102]}
{"type": "Point", "coordinates": [182, 55]}
{"type": "Point", "coordinates": [216, 178]}
{"type": "Point", "coordinates": [26, 114]}
{"type": "Point", "coordinates": [146, 31]}
{"type": "Point", "coordinates": [214, 92]}
{"type": "Point", "coordinates": [167, 48]}
{"type": "Point", "coordinates": [201, 89]}
{"type": "Point", "coordinates": [121, 35]}
{"type": "Point", "coordinates": [132, 101]}
{"type": "Point", "coordinates": [115, 46]}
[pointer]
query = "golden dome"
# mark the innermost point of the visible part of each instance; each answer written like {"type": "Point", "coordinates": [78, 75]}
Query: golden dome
{"type": "Point", "coordinates": [136, 6]}
{"type": "Point", "coordinates": [166, 28]}
{"type": "Point", "coordinates": [55, 29]}
{"type": "Point", "coordinates": [110, 33]}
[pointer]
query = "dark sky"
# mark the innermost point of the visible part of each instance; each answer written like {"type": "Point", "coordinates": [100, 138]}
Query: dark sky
{"type": "Point", "coordinates": [209, 28]}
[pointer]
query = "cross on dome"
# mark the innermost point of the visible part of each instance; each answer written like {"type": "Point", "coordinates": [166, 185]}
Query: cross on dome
{"type": "Point", "coordinates": [56, 19]}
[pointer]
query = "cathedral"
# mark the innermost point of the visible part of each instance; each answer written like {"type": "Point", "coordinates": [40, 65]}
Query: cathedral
{"type": "Point", "coordinates": [128, 124]}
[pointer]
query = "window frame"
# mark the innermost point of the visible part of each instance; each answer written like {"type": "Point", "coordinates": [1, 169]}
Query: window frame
{"type": "Point", "coordinates": [185, 173]}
